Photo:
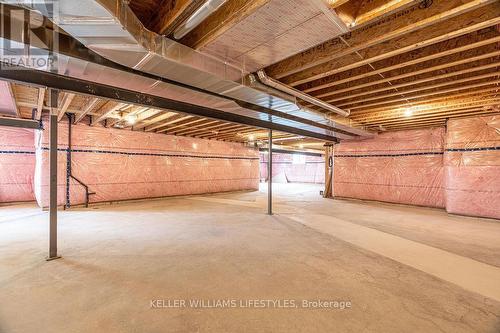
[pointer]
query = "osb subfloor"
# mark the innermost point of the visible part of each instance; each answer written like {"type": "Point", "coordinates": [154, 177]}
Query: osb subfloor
{"type": "Point", "coordinates": [404, 269]}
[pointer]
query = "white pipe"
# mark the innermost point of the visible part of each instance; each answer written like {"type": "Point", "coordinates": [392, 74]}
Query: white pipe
{"type": "Point", "coordinates": [198, 16]}
{"type": "Point", "coordinates": [299, 94]}
{"type": "Point", "coordinates": [255, 83]}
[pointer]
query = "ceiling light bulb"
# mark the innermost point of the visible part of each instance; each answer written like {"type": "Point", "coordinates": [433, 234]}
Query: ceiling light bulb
{"type": "Point", "coordinates": [301, 146]}
{"type": "Point", "coordinates": [251, 137]}
{"type": "Point", "coordinates": [131, 119]}
{"type": "Point", "coordinates": [408, 112]}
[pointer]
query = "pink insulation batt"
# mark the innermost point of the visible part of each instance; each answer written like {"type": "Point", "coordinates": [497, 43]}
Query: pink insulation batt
{"type": "Point", "coordinates": [121, 165]}
{"type": "Point", "coordinates": [403, 167]}
{"type": "Point", "coordinates": [17, 164]}
{"type": "Point", "coordinates": [472, 166]}
{"type": "Point", "coordinates": [288, 168]}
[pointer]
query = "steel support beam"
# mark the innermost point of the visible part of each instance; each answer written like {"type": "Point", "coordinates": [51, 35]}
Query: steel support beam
{"type": "Point", "coordinates": [270, 175]}
{"type": "Point", "coordinates": [69, 84]}
{"type": "Point", "coordinates": [292, 152]}
{"type": "Point", "coordinates": [20, 123]}
{"type": "Point", "coordinates": [54, 95]}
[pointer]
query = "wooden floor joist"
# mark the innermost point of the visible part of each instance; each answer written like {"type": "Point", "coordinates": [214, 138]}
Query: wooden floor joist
{"type": "Point", "coordinates": [65, 103]}
{"type": "Point", "coordinates": [163, 127]}
{"type": "Point", "coordinates": [412, 60]}
{"type": "Point", "coordinates": [422, 71]}
{"type": "Point", "coordinates": [400, 114]}
{"type": "Point", "coordinates": [430, 118]}
{"type": "Point", "coordinates": [158, 117]}
{"type": "Point", "coordinates": [106, 110]}
{"type": "Point", "coordinates": [228, 133]}
{"type": "Point", "coordinates": [191, 125]}
{"type": "Point", "coordinates": [439, 12]}
{"type": "Point", "coordinates": [92, 103]}
{"type": "Point", "coordinates": [207, 129]}
{"type": "Point", "coordinates": [436, 92]}
{"type": "Point", "coordinates": [462, 97]}
{"type": "Point", "coordinates": [224, 132]}
{"type": "Point", "coordinates": [351, 98]}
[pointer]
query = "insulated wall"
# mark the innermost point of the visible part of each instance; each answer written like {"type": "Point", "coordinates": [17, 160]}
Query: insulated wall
{"type": "Point", "coordinates": [401, 167]}
{"type": "Point", "coordinates": [17, 164]}
{"type": "Point", "coordinates": [472, 166]}
{"type": "Point", "coordinates": [121, 165]}
{"type": "Point", "coordinates": [294, 168]}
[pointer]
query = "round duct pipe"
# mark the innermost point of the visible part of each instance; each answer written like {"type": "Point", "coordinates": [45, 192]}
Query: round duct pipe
{"type": "Point", "coordinates": [299, 94]}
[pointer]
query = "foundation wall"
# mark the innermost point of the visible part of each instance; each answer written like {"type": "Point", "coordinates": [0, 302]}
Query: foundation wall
{"type": "Point", "coordinates": [458, 169]}
{"type": "Point", "coordinates": [123, 165]}
{"type": "Point", "coordinates": [17, 164]}
{"type": "Point", "coordinates": [472, 166]}
{"type": "Point", "coordinates": [403, 167]}
{"type": "Point", "coordinates": [289, 168]}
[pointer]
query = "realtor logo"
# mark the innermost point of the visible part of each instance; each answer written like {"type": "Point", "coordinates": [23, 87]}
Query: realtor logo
{"type": "Point", "coordinates": [28, 39]}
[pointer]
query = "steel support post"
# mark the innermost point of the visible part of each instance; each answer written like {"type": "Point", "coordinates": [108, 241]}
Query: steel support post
{"type": "Point", "coordinates": [270, 175]}
{"type": "Point", "coordinates": [328, 192]}
{"type": "Point", "coordinates": [54, 95]}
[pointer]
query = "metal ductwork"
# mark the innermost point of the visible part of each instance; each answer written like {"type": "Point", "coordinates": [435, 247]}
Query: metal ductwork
{"type": "Point", "coordinates": [299, 94]}
{"type": "Point", "coordinates": [111, 30]}
{"type": "Point", "coordinates": [198, 16]}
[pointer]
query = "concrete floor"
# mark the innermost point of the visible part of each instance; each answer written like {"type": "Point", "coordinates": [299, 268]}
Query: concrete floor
{"type": "Point", "coordinates": [404, 269]}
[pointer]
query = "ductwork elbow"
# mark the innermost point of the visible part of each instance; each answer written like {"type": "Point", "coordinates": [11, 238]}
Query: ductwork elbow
{"type": "Point", "coordinates": [299, 94]}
